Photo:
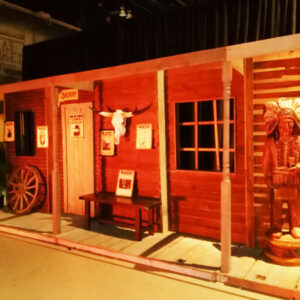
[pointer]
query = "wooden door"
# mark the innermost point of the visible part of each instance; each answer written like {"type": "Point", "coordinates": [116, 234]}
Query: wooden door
{"type": "Point", "coordinates": [78, 153]}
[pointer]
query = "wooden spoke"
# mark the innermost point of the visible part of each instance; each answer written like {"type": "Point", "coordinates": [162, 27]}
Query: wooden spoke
{"type": "Point", "coordinates": [12, 192]}
{"type": "Point", "coordinates": [14, 197]}
{"type": "Point", "coordinates": [30, 180]}
{"type": "Point", "coordinates": [30, 187]}
{"type": "Point", "coordinates": [26, 190]}
{"type": "Point", "coordinates": [26, 177]}
{"type": "Point", "coordinates": [26, 199]}
{"type": "Point", "coordinates": [28, 193]}
{"type": "Point", "coordinates": [17, 202]}
{"type": "Point", "coordinates": [21, 202]}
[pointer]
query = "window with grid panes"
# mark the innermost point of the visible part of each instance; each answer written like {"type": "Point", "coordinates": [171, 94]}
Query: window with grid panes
{"type": "Point", "coordinates": [199, 132]}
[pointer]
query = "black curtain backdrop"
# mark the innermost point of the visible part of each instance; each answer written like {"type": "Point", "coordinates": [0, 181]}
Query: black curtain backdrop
{"type": "Point", "coordinates": [197, 27]}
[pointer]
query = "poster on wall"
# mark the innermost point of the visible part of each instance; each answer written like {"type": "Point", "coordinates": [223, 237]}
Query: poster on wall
{"type": "Point", "coordinates": [76, 126]}
{"type": "Point", "coordinates": [107, 142]}
{"type": "Point", "coordinates": [42, 136]}
{"type": "Point", "coordinates": [144, 136]}
{"type": "Point", "coordinates": [125, 183]}
{"type": "Point", "coordinates": [9, 131]}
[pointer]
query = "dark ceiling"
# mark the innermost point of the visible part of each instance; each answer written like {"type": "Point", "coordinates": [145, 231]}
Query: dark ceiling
{"type": "Point", "coordinates": [90, 14]}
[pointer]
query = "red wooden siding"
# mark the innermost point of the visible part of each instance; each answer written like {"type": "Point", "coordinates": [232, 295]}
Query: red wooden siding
{"type": "Point", "coordinates": [268, 84]}
{"type": "Point", "coordinates": [199, 213]}
{"type": "Point", "coordinates": [29, 100]}
{"type": "Point", "coordinates": [128, 93]}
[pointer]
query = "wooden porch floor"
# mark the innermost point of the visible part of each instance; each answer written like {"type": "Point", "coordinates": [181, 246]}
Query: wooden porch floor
{"type": "Point", "coordinates": [185, 250]}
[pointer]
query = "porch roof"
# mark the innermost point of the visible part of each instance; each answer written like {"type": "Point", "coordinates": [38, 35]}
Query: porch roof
{"type": "Point", "coordinates": [211, 58]}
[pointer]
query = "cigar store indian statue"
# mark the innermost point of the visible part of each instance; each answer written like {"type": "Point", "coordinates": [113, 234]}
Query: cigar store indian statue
{"type": "Point", "coordinates": [281, 164]}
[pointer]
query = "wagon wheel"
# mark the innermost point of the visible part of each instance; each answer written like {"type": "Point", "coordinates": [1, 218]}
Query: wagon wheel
{"type": "Point", "coordinates": [25, 189]}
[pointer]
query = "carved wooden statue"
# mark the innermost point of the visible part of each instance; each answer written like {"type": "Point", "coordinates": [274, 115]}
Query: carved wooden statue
{"type": "Point", "coordinates": [281, 163]}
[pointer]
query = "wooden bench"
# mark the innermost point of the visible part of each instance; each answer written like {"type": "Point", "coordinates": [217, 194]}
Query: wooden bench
{"type": "Point", "coordinates": [138, 203]}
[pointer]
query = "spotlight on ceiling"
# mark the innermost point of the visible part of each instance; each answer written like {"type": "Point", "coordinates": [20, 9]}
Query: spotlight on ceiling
{"type": "Point", "coordinates": [122, 12]}
{"type": "Point", "coordinates": [128, 14]}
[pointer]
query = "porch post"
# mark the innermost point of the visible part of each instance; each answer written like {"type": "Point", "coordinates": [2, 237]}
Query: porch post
{"type": "Point", "coordinates": [160, 78]}
{"type": "Point", "coordinates": [55, 171]}
{"type": "Point", "coordinates": [226, 183]}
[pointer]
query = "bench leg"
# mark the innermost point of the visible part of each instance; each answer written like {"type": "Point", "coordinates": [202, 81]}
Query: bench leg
{"type": "Point", "coordinates": [138, 224]}
{"type": "Point", "coordinates": [150, 221]}
{"type": "Point", "coordinates": [87, 221]}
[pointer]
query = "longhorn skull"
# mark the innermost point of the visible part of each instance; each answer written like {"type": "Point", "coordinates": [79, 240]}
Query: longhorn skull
{"type": "Point", "coordinates": [119, 120]}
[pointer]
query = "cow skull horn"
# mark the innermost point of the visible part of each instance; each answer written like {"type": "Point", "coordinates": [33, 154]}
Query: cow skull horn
{"type": "Point", "coordinates": [119, 119]}
{"type": "Point", "coordinates": [140, 111]}
{"type": "Point", "coordinates": [105, 113]}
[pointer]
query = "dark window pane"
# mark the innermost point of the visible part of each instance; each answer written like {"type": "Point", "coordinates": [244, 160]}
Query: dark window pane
{"type": "Point", "coordinates": [207, 161]}
{"type": "Point", "coordinates": [185, 111]}
{"type": "Point", "coordinates": [231, 109]}
{"type": "Point", "coordinates": [220, 134]}
{"type": "Point", "coordinates": [206, 136]}
{"type": "Point", "coordinates": [220, 111]}
{"type": "Point", "coordinates": [186, 160]}
{"type": "Point", "coordinates": [231, 160]}
{"type": "Point", "coordinates": [205, 111]}
{"type": "Point", "coordinates": [187, 136]}
{"type": "Point", "coordinates": [24, 130]}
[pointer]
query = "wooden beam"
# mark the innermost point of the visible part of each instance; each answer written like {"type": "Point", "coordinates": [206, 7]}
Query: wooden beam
{"type": "Point", "coordinates": [249, 178]}
{"type": "Point", "coordinates": [294, 16]}
{"type": "Point", "coordinates": [216, 135]}
{"type": "Point", "coordinates": [48, 122]}
{"type": "Point", "coordinates": [226, 183]}
{"type": "Point", "coordinates": [162, 148]}
{"type": "Point", "coordinates": [55, 172]}
{"type": "Point", "coordinates": [204, 57]}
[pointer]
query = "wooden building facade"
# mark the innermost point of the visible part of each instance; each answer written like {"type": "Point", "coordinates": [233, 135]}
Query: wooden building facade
{"type": "Point", "coordinates": [182, 98]}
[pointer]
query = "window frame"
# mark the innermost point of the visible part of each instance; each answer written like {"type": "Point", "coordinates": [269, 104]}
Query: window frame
{"type": "Point", "coordinates": [215, 122]}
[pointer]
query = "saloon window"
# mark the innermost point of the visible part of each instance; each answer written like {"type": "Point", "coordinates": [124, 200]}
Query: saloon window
{"type": "Point", "coordinates": [24, 129]}
{"type": "Point", "coordinates": [199, 131]}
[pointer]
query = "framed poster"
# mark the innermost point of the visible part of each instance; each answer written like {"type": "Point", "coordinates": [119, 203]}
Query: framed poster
{"type": "Point", "coordinates": [42, 136]}
{"type": "Point", "coordinates": [125, 183]}
{"type": "Point", "coordinates": [76, 126]}
{"type": "Point", "coordinates": [107, 142]}
{"type": "Point", "coordinates": [9, 131]}
{"type": "Point", "coordinates": [144, 136]}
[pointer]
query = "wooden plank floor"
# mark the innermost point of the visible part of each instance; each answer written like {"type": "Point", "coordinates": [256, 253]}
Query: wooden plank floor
{"type": "Point", "coordinates": [186, 250]}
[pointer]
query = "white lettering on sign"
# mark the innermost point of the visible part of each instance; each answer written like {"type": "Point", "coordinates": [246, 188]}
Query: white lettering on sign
{"type": "Point", "coordinates": [67, 95]}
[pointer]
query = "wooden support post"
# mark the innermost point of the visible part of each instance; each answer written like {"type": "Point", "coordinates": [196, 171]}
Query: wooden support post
{"type": "Point", "coordinates": [249, 178]}
{"type": "Point", "coordinates": [55, 171]}
{"type": "Point", "coordinates": [294, 16]}
{"type": "Point", "coordinates": [162, 149]}
{"type": "Point", "coordinates": [226, 183]}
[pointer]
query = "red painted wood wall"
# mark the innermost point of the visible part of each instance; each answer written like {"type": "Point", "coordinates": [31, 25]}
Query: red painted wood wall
{"type": "Point", "coordinates": [199, 213]}
{"type": "Point", "coordinates": [128, 93]}
{"type": "Point", "coordinates": [33, 100]}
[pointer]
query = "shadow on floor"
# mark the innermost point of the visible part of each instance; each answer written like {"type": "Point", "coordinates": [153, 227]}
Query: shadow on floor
{"type": "Point", "coordinates": [242, 251]}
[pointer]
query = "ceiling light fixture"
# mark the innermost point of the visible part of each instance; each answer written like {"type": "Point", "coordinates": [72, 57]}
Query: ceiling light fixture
{"type": "Point", "coordinates": [129, 14]}
{"type": "Point", "coordinates": [122, 12]}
